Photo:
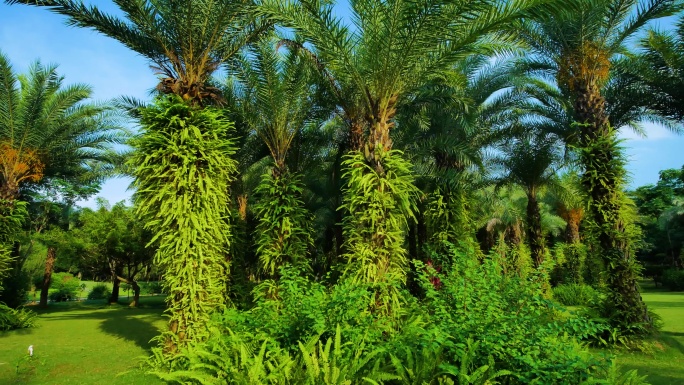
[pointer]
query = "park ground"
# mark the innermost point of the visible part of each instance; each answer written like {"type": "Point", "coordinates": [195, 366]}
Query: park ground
{"type": "Point", "coordinates": [92, 343]}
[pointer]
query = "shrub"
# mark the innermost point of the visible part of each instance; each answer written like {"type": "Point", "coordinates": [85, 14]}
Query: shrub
{"type": "Point", "coordinates": [11, 319]}
{"type": "Point", "coordinates": [16, 288]}
{"type": "Point", "coordinates": [153, 287]}
{"type": "Point", "coordinates": [576, 295]}
{"type": "Point", "coordinates": [570, 264]}
{"type": "Point", "coordinates": [300, 328]}
{"type": "Point", "coordinates": [100, 291]}
{"type": "Point", "coordinates": [64, 287]}
{"type": "Point", "coordinates": [673, 279]}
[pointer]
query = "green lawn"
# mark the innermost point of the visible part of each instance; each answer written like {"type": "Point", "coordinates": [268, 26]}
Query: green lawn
{"type": "Point", "coordinates": [666, 365]}
{"type": "Point", "coordinates": [83, 343]}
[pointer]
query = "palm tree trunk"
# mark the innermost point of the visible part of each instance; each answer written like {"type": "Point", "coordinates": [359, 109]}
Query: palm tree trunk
{"type": "Point", "coordinates": [572, 220]}
{"type": "Point", "coordinates": [534, 230]}
{"type": "Point", "coordinates": [47, 277]}
{"type": "Point", "coordinates": [356, 136]}
{"type": "Point", "coordinates": [603, 178]}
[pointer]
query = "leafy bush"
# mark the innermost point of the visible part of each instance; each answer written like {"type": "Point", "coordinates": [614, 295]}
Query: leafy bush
{"type": "Point", "coordinates": [574, 294]}
{"type": "Point", "coordinates": [16, 288]}
{"type": "Point", "coordinates": [153, 287]}
{"type": "Point", "coordinates": [673, 279]}
{"type": "Point", "coordinates": [11, 319]}
{"type": "Point", "coordinates": [64, 287]}
{"type": "Point", "coordinates": [100, 291]}
{"type": "Point", "coordinates": [300, 329]}
{"type": "Point", "coordinates": [570, 264]}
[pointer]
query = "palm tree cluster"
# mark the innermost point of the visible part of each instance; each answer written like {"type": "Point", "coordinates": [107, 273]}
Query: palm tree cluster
{"type": "Point", "coordinates": [353, 145]}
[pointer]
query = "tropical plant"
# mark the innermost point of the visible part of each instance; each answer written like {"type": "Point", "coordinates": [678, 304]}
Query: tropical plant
{"type": "Point", "coordinates": [531, 162]}
{"type": "Point", "coordinates": [371, 68]}
{"type": "Point", "coordinates": [186, 41]}
{"type": "Point", "coordinates": [654, 75]}
{"type": "Point", "coordinates": [272, 93]}
{"type": "Point", "coordinates": [577, 44]}
{"type": "Point", "coordinates": [49, 131]}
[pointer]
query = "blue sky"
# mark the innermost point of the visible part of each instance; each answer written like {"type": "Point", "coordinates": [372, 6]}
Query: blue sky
{"type": "Point", "coordinates": [28, 33]}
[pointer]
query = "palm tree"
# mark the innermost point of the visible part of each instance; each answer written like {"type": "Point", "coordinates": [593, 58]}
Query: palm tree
{"type": "Point", "coordinates": [531, 162]}
{"type": "Point", "coordinates": [446, 129]}
{"type": "Point", "coordinates": [183, 144]}
{"type": "Point", "coordinates": [372, 66]}
{"type": "Point", "coordinates": [48, 130]}
{"type": "Point", "coordinates": [577, 45]}
{"type": "Point", "coordinates": [656, 73]}
{"type": "Point", "coordinates": [272, 92]}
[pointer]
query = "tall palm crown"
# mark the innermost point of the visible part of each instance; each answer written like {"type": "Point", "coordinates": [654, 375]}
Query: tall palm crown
{"type": "Point", "coordinates": [578, 43]}
{"type": "Point", "coordinates": [273, 91]}
{"type": "Point", "coordinates": [185, 40]}
{"type": "Point", "coordinates": [48, 129]}
{"type": "Point", "coordinates": [391, 47]}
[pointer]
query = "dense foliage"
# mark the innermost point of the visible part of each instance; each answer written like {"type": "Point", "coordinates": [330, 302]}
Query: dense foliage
{"type": "Point", "coordinates": [403, 196]}
{"type": "Point", "coordinates": [183, 172]}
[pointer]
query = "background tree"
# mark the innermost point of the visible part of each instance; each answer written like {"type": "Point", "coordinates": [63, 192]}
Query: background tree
{"type": "Point", "coordinates": [531, 162]}
{"type": "Point", "coordinates": [117, 241]}
{"type": "Point", "coordinates": [49, 131]}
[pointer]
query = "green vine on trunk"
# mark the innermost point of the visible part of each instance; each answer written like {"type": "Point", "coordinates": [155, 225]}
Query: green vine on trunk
{"type": "Point", "coordinates": [183, 170]}
{"type": "Point", "coordinates": [604, 179]}
{"type": "Point", "coordinates": [284, 229]}
{"type": "Point", "coordinates": [379, 208]}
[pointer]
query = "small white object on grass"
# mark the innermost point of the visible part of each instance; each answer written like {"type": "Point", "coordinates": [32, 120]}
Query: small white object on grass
{"type": "Point", "coordinates": [30, 349]}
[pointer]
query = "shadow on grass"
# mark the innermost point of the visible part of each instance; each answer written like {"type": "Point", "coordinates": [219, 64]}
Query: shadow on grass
{"type": "Point", "coordinates": [662, 376]}
{"type": "Point", "coordinates": [670, 339]}
{"type": "Point", "coordinates": [131, 328]}
{"type": "Point", "coordinates": [120, 321]}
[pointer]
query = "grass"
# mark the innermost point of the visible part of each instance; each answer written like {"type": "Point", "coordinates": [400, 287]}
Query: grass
{"type": "Point", "coordinates": [83, 343]}
{"type": "Point", "coordinates": [666, 365]}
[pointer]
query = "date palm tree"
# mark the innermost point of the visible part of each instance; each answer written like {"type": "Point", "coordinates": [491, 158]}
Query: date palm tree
{"type": "Point", "coordinates": [272, 90]}
{"type": "Point", "coordinates": [531, 162]}
{"type": "Point", "coordinates": [185, 41]}
{"type": "Point", "coordinates": [49, 130]}
{"type": "Point", "coordinates": [183, 144]}
{"type": "Point", "coordinates": [577, 45]}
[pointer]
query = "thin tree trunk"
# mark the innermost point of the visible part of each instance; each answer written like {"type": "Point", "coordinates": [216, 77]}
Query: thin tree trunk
{"type": "Point", "coordinates": [47, 277]}
{"type": "Point", "coordinates": [412, 241]}
{"type": "Point", "coordinates": [116, 284]}
{"type": "Point", "coordinates": [534, 230]}
{"type": "Point", "coordinates": [136, 290]}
